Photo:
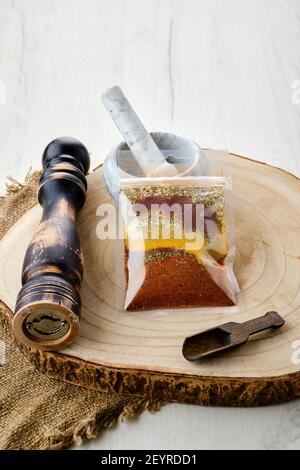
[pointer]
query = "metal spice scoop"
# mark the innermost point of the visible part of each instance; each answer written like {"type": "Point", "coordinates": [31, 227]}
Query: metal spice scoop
{"type": "Point", "coordinates": [227, 336]}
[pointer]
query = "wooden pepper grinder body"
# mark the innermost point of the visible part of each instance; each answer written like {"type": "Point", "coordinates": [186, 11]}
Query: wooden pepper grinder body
{"type": "Point", "coordinates": [47, 311]}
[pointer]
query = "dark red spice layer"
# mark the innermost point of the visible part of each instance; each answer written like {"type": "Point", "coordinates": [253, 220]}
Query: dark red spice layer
{"type": "Point", "coordinates": [175, 282]}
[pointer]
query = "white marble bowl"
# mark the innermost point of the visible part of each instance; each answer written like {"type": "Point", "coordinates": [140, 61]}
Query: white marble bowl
{"type": "Point", "coordinates": [184, 153]}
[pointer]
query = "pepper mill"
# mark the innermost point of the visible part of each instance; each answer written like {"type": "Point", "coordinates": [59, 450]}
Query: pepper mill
{"type": "Point", "coordinates": [47, 310]}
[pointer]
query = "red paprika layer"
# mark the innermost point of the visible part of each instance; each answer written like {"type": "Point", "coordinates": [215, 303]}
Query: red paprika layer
{"type": "Point", "coordinates": [174, 281]}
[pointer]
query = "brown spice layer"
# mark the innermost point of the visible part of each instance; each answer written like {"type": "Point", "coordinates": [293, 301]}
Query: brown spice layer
{"type": "Point", "coordinates": [176, 281]}
{"type": "Point", "coordinates": [212, 197]}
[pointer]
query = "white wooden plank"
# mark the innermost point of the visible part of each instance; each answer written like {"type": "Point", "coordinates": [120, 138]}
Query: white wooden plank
{"type": "Point", "coordinates": [220, 71]}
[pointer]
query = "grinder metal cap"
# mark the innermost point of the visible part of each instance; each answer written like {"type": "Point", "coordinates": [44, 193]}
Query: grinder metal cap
{"type": "Point", "coordinates": [47, 313]}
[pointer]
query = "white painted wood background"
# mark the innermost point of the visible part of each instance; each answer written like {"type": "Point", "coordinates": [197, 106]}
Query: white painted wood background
{"type": "Point", "coordinates": [225, 72]}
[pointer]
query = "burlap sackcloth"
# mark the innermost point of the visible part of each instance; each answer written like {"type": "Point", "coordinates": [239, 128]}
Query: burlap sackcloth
{"type": "Point", "coordinates": [38, 412]}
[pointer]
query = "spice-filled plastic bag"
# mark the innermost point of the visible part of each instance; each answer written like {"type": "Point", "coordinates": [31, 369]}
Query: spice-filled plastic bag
{"type": "Point", "coordinates": [177, 242]}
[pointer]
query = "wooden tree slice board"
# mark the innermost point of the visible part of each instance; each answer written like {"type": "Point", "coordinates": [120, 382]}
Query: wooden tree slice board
{"type": "Point", "coordinates": [140, 353]}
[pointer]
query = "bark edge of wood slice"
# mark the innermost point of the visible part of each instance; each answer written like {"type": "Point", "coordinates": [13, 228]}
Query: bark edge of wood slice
{"type": "Point", "coordinates": [139, 353]}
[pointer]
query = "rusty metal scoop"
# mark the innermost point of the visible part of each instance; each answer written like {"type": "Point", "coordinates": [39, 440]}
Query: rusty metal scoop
{"type": "Point", "coordinates": [227, 336]}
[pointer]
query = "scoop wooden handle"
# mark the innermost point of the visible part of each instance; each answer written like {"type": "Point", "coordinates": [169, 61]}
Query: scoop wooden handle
{"type": "Point", "coordinates": [269, 320]}
{"type": "Point", "coordinates": [48, 305]}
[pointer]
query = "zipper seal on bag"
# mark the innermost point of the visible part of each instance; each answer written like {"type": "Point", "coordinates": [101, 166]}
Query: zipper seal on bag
{"type": "Point", "coordinates": [187, 181]}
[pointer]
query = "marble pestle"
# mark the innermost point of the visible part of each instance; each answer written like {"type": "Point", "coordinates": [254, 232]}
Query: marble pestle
{"type": "Point", "coordinates": [142, 146]}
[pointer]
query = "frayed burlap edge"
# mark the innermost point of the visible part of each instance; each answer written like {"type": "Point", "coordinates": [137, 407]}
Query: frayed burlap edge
{"type": "Point", "coordinates": [90, 427]}
{"type": "Point", "coordinates": [19, 198]}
